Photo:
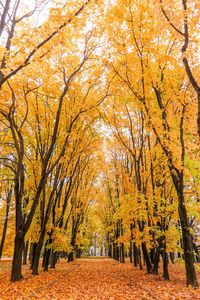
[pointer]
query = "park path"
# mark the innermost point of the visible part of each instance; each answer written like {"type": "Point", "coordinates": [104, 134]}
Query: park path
{"type": "Point", "coordinates": [94, 279]}
{"type": "Point", "coordinates": [101, 278]}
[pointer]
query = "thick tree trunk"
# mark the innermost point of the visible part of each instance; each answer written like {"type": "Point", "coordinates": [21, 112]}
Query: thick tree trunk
{"type": "Point", "coordinates": [16, 274]}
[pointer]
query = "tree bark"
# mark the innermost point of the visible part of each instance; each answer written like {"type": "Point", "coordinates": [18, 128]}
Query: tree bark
{"type": "Point", "coordinates": [70, 256]}
{"type": "Point", "coordinates": [16, 274]}
{"type": "Point", "coordinates": [135, 254]}
{"type": "Point", "coordinates": [187, 243]}
{"type": "Point", "coordinates": [156, 262]}
{"type": "Point", "coordinates": [146, 258]}
{"type": "Point", "coordinates": [37, 257]}
{"type": "Point", "coordinates": [53, 259]}
{"type": "Point", "coordinates": [165, 265]}
{"type": "Point", "coordinates": [131, 251]}
{"type": "Point", "coordinates": [25, 251]}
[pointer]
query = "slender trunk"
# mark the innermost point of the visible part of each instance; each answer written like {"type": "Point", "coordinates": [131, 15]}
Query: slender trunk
{"type": "Point", "coordinates": [165, 265]}
{"type": "Point", "coordinates": [44, 255]}
{"type": "Point", "coordinates": [131, 251]}
{"type": "Point", "coordinates": [156, 262]}
{"type": "Point", "coordinates": [31, 253]}
{"type": "Point", "coordinates": [37, 256]}
{"type": "Point", "coordinates": [122, 256]}
{"type": "Point", "coordinates": [110, 250]}
{"type": "Point", "coordinates": [139, 258]}
{"type": "Point", "coordinates": [171, 254]}
{"type": "Point", "coordinates": [46, 259]}
{"type": "Point", "coordinates": [196, 252]}
{"type": "Point", "coordinates": [25, 253]}
{"type": "Point", "coordinates": [5, 225]}
{"type": "Point", "coordinates": [53, 259]}
{"type": "Point", "coordinates": [146, 258]}
{"type": "Point", "coordinates": [135, 254]}
{"type": "Point", "coordinates": [34, 247]}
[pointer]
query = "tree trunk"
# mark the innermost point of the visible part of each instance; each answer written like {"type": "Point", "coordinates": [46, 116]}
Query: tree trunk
{"type": "Point", "coordinates": [8, 200]}
{"type": "Point", "coordinates": [135, 254]}
{"type": "Point", "coordinates": [171, 254]}
{"type": "Point", "coordinates": [4, 227]}
{"type": "Point", "coordinates": [165, 265]}
{"type": "Point", "coordinates": [156, 262]}
{"type": "Point", "coordinates": [139, 258]}
{"type": "Point", "coordinates": [131, 251]}
{"type": "Point", "coordinates": [70, 256]}
{"type": "Point", "coordinates": [146, 258]}
{"type": "Point", "coordinates": [53, 259]}
{"type": "Point", "coordinates": [110, 250]}
{"type": "Point", "coordinates": [16, 274]}
{"type": "Point", "coordinates": [122, 257]}
{"type": "Point", "coordinates": [37, 256]}
{"type": "Point", "coordinates": [196, 252]}
{"type": "Point", "coordinates": [46, 259]}
{"type": "Point", "coordinates": [187, 243]}
{"type": "Point", "coordinates": [25, 251]}
{"type": "Point", "coordinates": [34, 247]}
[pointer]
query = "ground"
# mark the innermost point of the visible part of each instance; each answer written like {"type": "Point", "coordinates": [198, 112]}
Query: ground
{"type": "Point", "coordinates": [95, 279]}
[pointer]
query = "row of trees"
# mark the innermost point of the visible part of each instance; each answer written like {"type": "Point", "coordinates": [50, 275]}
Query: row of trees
{"type": "Point", "coordinates": [151, 185]}
{"type": "Point", "coordinates": [136, 74]}
{"type": "Point", "coordinates": [48, 135]}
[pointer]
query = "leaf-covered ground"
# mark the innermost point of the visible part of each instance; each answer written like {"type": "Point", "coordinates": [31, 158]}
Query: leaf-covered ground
{"type": "Point", "coordinates": [95, 279]}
